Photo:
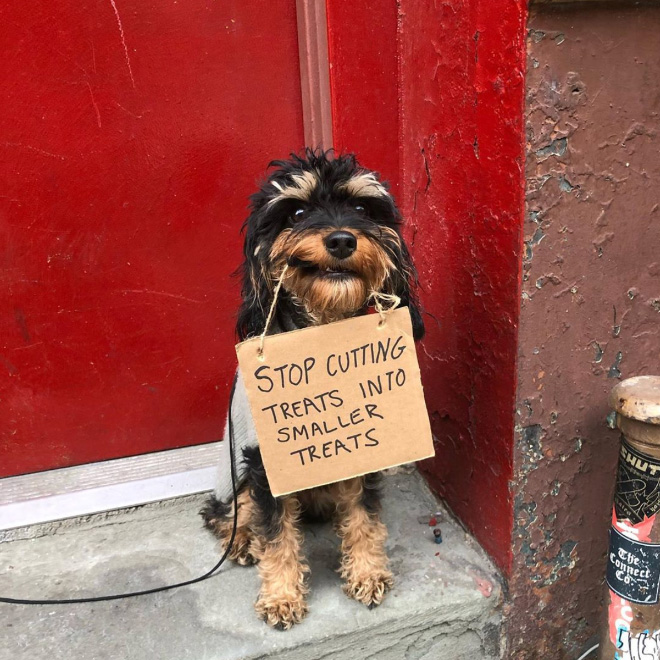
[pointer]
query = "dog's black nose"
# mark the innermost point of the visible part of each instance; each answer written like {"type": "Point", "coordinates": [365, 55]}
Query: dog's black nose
{"type": "Point", "coordinates": [340, 244]}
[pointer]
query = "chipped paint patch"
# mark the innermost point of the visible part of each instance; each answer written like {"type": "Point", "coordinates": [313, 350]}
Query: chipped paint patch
{"type": "Point", "coordinates": [598, 352]}
{"type": "Point", "coordinates": [565, 185]}
{"type": "Point", "coordinates": [614, 371]}
{"type": "Point", "coordinates": [555, 148]}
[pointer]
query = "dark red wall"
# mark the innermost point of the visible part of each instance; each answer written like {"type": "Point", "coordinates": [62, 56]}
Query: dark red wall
{"type": "Point", "coordinates": [462, 90]}
{"type": "Point", "coordinates": [590, 304]}
{"type": "Point", "coordinates": [132, 133]}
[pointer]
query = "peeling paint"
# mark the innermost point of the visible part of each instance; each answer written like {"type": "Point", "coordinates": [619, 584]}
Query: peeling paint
{"type": "Point", "coordinates": [564, 560]}
{"type": "Point", "coordinates": [598, 352]}
{"type": "Point", "coordinates": [531, 446]}
{"type": "Point", "coordinates": [537, 35]}
{"type": "Point", "coordinates": [565, 185]}
{"type": "Point", "coordinates": [611, 420]}
{"type": "Point", "coordinates": [616, 328]}
{"type": "Point", "coordinates": [614, 371]}
{"type": "Point", "coordinates": [555, 148]}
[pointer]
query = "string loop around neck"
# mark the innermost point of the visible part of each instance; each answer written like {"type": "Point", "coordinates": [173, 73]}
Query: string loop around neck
{"type": "Point", "coordinates": [391, 300]}
{"type": "Point", "coordinates": [271, 312]}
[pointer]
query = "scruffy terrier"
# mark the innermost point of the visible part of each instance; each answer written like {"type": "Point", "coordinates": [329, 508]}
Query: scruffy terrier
{"type": "Point", "coordinates": [337, 228]}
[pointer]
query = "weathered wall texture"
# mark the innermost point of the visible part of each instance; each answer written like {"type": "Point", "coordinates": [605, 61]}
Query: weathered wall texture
{"type": "Point", "coordinates": [590, 302]}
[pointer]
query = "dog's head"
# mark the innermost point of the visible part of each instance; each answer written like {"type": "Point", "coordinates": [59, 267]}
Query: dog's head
{"type": "Point", "coordinates": [337, 228]}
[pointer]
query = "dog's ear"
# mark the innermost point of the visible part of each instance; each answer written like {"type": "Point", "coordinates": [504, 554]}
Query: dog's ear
{"type": "Point", "coordinates": [255, 289]}
{"type": "Point", "coordinates": [405, 285]}
{"type": "Point", "coordinates": [402, 281]}
{"type": "Point", "coordinates": [417, 322]}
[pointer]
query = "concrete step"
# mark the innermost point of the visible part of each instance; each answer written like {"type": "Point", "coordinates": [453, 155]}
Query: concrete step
{"type": "Point", "coordinates": [445, 603]}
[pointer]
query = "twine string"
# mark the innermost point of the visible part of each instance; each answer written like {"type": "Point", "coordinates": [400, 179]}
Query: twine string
{"type": "Point", "coordinates": [271, 311]}
{"type": "Point", "coordinates": [392, 301]}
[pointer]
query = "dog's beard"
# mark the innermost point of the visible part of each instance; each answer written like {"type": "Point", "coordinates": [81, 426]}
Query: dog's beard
{"type": "Point", "coordinates": [329, 289]}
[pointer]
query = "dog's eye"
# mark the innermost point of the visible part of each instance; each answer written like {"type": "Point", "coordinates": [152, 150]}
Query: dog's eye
{"type": "Point", "coordinates": [359, 208]}
{"type": "Point", "coordinates": [298, 213]}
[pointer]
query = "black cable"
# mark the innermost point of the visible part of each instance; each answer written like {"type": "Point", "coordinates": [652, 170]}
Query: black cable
{"type": "Point", "coordinates": [155, 590]}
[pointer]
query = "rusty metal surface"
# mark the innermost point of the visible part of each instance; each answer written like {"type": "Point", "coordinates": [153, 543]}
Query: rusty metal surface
{"type": "Point", "coordinates": [590, 310]}
{"type": "Point", "coordinates": [638, 398]}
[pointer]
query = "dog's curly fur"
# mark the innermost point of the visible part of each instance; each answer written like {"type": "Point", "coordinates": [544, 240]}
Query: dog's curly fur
{"type": "Point", "coordinates": [337, 227]}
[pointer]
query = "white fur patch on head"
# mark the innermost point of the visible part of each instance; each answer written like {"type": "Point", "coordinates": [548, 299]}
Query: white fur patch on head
{"type": "Point", "coordinates": [364, 184]}
{"type": "Point", "coordinates": [301, 187]}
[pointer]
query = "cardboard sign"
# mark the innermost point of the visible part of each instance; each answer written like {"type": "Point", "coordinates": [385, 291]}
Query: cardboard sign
{"type": "Point", "coordinates": [336, 401]}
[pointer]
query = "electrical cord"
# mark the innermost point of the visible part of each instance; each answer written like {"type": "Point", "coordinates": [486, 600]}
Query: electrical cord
{"type": "Point", "coordinates": [155, 590]}
{"type": "Point", "coordinates": [587, 653]}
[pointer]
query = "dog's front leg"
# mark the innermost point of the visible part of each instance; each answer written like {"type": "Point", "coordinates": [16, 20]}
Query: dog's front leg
{"type": "Point", "coordinates": [282, 568]}
{"type": "Point", "coordinates": [364, 565]}
{"type": "Point", "coordinates": [277, 546]}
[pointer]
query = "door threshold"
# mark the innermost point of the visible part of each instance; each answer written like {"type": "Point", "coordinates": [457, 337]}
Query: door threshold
{"type": "Point", "coordinates": [82, 490]}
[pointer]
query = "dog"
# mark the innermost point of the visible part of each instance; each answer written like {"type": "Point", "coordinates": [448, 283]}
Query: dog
{"type": "Point", "coordinates": [336, 227]}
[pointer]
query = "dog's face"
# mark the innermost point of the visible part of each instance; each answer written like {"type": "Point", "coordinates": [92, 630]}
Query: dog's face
{"type": "Point", "coordinates": [336, 228]}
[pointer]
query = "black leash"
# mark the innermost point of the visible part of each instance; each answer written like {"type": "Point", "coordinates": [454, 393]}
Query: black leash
{"type": "Point", "coordinates": [155, 590]}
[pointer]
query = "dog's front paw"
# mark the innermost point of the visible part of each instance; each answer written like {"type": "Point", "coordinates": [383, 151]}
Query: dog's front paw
{"type": "Point", "coordinates": [369, 589]}
{"type": "Point", "coordinates": [281, 614]}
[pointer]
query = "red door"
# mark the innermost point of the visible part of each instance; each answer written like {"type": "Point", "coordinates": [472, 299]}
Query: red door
{"type": "Point", "coordinates": [131, 134]}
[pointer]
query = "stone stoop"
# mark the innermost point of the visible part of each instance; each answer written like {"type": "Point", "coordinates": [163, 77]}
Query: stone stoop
{"type": "Point", "coordinates": [445, 603]}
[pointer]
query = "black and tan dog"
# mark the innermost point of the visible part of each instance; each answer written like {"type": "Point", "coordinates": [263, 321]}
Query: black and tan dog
{"type": "Point", "coordinates": [337, 228]}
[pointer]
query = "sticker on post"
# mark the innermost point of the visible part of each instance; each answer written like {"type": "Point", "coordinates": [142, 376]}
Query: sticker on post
{"type": "Point", "coordinates": [633, 569]}
{"type": "Point", "coordinates": [336, 401]}
{"type": "Point", "coordinates": [638, 484]}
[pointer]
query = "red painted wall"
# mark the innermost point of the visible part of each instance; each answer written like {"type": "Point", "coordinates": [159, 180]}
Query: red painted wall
{"type": "Point", "coordinates": [458, 67]}
{"type": "Point", "coordinates": [462, 91]}
{"type": "Point", "coordinates": [132, 133]}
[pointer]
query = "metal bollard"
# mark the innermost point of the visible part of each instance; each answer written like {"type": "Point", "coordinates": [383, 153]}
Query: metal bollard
{"type": "Point", "coordinates": [633, 564]}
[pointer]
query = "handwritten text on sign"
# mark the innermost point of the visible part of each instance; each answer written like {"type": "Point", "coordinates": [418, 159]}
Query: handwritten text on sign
{"type": "Point", "coordinates": [336, 401]}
